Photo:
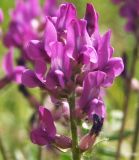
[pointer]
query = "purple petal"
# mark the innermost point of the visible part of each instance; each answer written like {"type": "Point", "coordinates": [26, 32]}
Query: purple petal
{"type": "Point", "coordinates": [60, 76]}
{"type": "Point", "coordinates": [30, 79]}
{"type": "Point", "coordinates": [91, 18]}
{"type": "Point", "coordinates": [50, 35]}
{"type": "Point", "coordinates": [97, 107]}
{"type": "Point", "coordinates": [35, 50]}
{"type": "Point", "coordinates": [8, 64]}
{"type": "Point", "coordinates": [67, 13]}
{"type": "Point", "coordinates": [24, 11]}
{"type": "Point", "coordinates": [51, 80]}
{"type": "Point", "coordinates": [91, 87]}
{"type": "Point", "coordinates": [1, 16]}
{"type": "Point", "coordinates": [116, 64]}
{"type": "Point", "coordinates": [18, 71]}
{"type": "Point", "coordinates": [50, 7]}
{"type": "Point", "coordinates": [38, 136]}
{"type": "Point", "coordinates": [104, 51]}
{"type": "Point", "coordinates": [40, 68]}
{"type": "Point", "coordinates": [89, 55]}
{"type": "Point", "coordinates": [47, 122]}
{"type": "Point", "coordinates": [60, 61]}
{"type": "Point", "coordinates": [77, 39]}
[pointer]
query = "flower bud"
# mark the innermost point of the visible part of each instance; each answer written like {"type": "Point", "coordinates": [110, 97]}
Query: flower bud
{"type": "Point", "coordinates": [79, 90]}
{"type": "Point", "coordinates": [63, 141]}
{"type": "Point", "coordinates": [87, 142]}
{"type": "Point", "coordinates": [1, 16]}
{"type": "Point", "coordinates": [135, 85]}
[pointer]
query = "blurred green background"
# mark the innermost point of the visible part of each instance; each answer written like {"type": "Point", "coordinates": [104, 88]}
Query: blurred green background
{"type": "Point", "coordinates": [15, 111]}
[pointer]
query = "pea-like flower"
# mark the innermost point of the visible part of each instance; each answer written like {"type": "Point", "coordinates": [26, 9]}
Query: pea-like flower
{"type": "Point", "coordinates": [45, 133]}
{"type": "Point", "coordinates": [130, 10]}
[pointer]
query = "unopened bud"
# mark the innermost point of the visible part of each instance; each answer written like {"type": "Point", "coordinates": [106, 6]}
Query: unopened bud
{"type": "Point", "coordinates": [63, 142]}
{"type": "Point", "coordinates": [79, 90]}
{"type": "Point", "coordinates": [135, 85]}
{"type": "Point", "coordinates": [87, 142]}
{"type": "Point", "coordinates": [1, 16]}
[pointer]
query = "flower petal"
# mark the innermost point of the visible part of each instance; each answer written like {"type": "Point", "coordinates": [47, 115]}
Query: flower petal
{"type": "Point", "coordinates": [47, 122]}
{"type": "Point", "coordinates": [104, 50]}
{"type": "Point", "coordinates": [50, 35]}
{"type": "Point", "coordinates": [30, 79]}
{"type": "Point", "coordinates": [18, 71]}
{"type": "Point", "coordinates": [67, 13]}
{"type": "Point", "coordinates": [40, 68]}
{"type": "Point", "coordinates": [91, 87]}
{"type": "Point", "coordinates": [8, 64]}
{"type": "Point", "coordinates": [116, 64]}
{"type": "Point", "coordinates": [38, 136]}
{"type": "Point", "coordinates": [1, 16]}
{"type": "Point", "coordinates": [91, 18]}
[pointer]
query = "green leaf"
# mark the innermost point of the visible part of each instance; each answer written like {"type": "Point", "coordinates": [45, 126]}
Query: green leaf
{"type": "Point", "coordinates": [106, 151]}
{"type": "Point", "coordinates": [65, 157]}
{"type": "Point", "coordinates": [115, 136]}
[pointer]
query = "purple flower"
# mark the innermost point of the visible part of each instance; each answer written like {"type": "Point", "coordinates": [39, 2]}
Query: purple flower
{"type": "Point", "coordinates": [12, 72]}
{"type": "Point", "coordinates": [71, 57]}
{"type": "Point", "coordinates": [23, 25]}
{"type": "Point", "coordinates": [50, 36]}
{"type": "Point", "coordinates": [36, 51]}
{"type": "Point", "coordinates": [66, 13]}
{"type": "Point", "coordinates": [1, 16]}
{"type": "Point", "coordinates": [130, 10]}
{"type": "Point", "coordinates": [90, 101]}
{"type": "Point", "coordinates": [35, 78]}
{"type": "Point", "coordinates": [92, 19]}
{"type": "Point", "coordinates": [60, 72]}
{"type": "Point", "coordinates": [45, 133]}
{"type": "Point", "coordinates": [56, 28]}
{"type": "Point", "coordinates": [112, 66]}
{"type": "Point", "coordinates": [79, 43]}
{"type": "Point", "coordinates": [50, 7]}
{"type": "Point", "coordinates": [24, 12]}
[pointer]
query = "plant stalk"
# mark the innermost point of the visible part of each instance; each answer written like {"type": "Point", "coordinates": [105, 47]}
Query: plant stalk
{"type": "Point", "coordinates": [73, 121]}
{"type": "Point", "coordinates": [2, 149]}
{"type": "Point", "coordinates": [136, 134]}
{"type": "Point", "coordinates": [128, 90]}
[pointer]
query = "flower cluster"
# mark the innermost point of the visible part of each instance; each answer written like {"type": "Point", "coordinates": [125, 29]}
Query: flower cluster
{"type": "Point", "coordinates": [130, 10]}
{"type": "Point", "coordinates": [26, 23]}
{"type": "Point", "coordinates": [70, 58]}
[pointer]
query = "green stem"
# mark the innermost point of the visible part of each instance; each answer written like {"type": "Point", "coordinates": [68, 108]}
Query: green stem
{"type": "Point", "coordinates": [136, 134]}
{"type": "Point", "coordinates": [73, 121]}
{"type": "Point", "coordinates": [126, 100]}
{"type": "Point", "coordinates": [2, 149]}
{"type": "Point", "coordinates": [39, 153]}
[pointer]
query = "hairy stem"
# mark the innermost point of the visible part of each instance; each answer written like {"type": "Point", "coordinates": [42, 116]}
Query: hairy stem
{"type": "Point", "coordinates": [126, 99]}
{"type": "Point", "coordinates": [136, 134]}
{"type": "Point", "coordinates": [73, 121]}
